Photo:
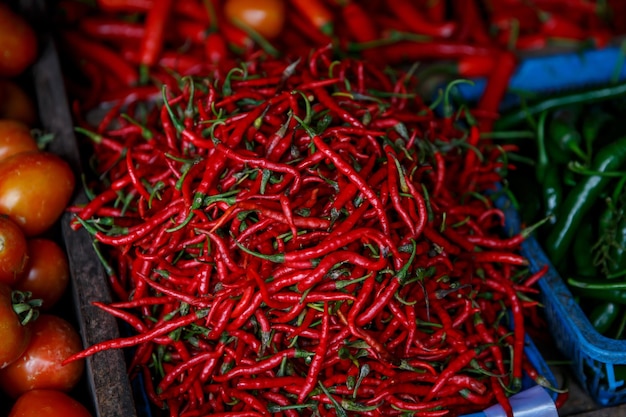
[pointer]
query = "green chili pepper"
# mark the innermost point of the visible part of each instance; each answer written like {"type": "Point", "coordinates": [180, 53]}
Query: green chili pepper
{"type": "Point", "coordinates": [543, 162]}
{"type": "Point", "coordinates": [590, 288]}
{"type": "Point", "coordinates": [605, 220]}
{"type": "Point", "coordinates": [593, 121]}
{"type": "Point", "coordinates": [587, 96]}
{"type": "Point", "coordinates": [604, 315]}
{"type": "Point", "coordinates": [552, 192]}
{"type": "Point", "coordinates": [582, 256]}
{"type": "Point", "coordinates": [581, 198]}
{"type": "Point", "coordinates": [565, 137]}
{"type": "Point", "coordinates": [586, 283]}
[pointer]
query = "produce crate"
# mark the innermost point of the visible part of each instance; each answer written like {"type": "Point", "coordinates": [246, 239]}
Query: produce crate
{"type": "Point", "coordinates": [598, 362]}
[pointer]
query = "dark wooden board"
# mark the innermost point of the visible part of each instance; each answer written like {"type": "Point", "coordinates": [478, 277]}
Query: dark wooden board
{"type": "Point", "coordinates": [107, 379]}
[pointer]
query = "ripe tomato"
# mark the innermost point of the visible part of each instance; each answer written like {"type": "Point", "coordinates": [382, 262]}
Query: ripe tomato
{"type": "Point", "coordinates": [52, 341]}
{"type": "Point", "coordinates": [15, 137]}
{"type": "Point", "coordinates": [15, 104]}
{"type": "Point", "coordinates": [35, 188]}
{"type": "Point", "coordinates": [18, 43]}
{"type": "Point", "coordinates": [14, 335]}
{"type": "Point", "coordinates": [47, 403]}
{"type": "Point", "coordinates": [13, 251]}
{"type": "Point", "coordinates": [47, 272]}
{"type": "Point", "coordinates": [267, 17]}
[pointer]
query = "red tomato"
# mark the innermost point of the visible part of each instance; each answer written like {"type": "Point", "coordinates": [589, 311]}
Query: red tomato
{"type": "Point", "coordinates": [15, 104]}
{"type": "Point", "coordinates": [18, 43]}
{"type": "Point", "coordinates": [52, 341]}
{"type": "Point", "coordinates": [13, 251]}
{"type": "Point", "coordinates": [267, 17]}
{"type": "Point", "coordinates": [15, 137]}
{"type": "Point", "coordinates": [15, 337]}
{"type": "Point", "coordinates": [47, 272]}
{"type": "Point", "coordinates": [35, 188]}
{"type": "Point", "coordinates": [47, 403]}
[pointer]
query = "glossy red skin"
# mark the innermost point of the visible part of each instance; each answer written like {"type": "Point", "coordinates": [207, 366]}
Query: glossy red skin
{"type": "Point", "coordinates": [15, 137]}
{"type": "Point", "coordinates": [35, 188]}
{"type": "Point", "coordinates": [47, 403]}
{"type": "Point", "coordinates": [47, 273]}
{"type": "Point", "coordinates": [52, 341]}
{"type": "Point", "coordinates": [16, 104]}
{"type": "Point", "coordinates": [14, 336]}
{"type": "Point", "coordinates": [18, 42]}
{"type": "Point", "coordinates": [13, 251]}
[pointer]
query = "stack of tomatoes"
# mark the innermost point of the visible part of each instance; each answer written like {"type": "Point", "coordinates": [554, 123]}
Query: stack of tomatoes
{"type": "Point", "coordinates": [35, 188]}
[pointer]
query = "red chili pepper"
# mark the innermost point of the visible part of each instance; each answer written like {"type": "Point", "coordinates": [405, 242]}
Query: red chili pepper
{"type": "Point", "coordinates": [349, 172]}
{"type": "Point", "coordinates": [189, 9]}
{"type": "Point", "coordinates": [152, 41]}
{"type": "Point", "coordinates": [215, 48]}
{"type": "Point", "coordinates": [499, 257]}
{"type": "Point", "coordinates": [102, 55]}
{"type": "Point", "coordinates": [135, 340]}
{"type": "Point", "coordinates": [111, 29]}
{"type": "Point", "coordinates": [360, 24]}
{"type": "Point", "coordinates": [555, 26]}
{"type": "Point", "coordinates": [473, 66]}
{"type": "Point", "coordinates": [518, 328]}
{"type": "Point", "coordinates": [417, 22]}
{"type": "Point", "coordinates": [196, 360]}
{"type": "Point", "coordinates": [334, 259]}
{"type": "Point", "coordinates": [472, 27]}
{"type": "Point", "coordinates": [489, 338]}
{"type": "Point", "coordinates": [317, 361]}
{"type": "Point", "coordinates": [395, 193]}
{"type": "Point", "coordinates": [316, 13]}
{"type": "Point", "coordinates": [261, 366]}
{"type": "Point", "coordinates": [496, 88]}
{"type": "Point", "coordinates": [139, 231]}
{"type": "Point", "coordinates": [409, 51]}
{"type": "Point", "coordinates": [501, 396]}
{"type": "Point", "coordinates": [310, 35]}
{"type": "Point", "coordinates": [453, 367]}
{"type": "Point", "coordinates": [534, 278]}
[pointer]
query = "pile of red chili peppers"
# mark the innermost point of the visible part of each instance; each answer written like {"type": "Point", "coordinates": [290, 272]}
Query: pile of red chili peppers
{"type": "Point", "coordinates": [117, 41]}
{"type": "Point", "coordinates": [308, 237]}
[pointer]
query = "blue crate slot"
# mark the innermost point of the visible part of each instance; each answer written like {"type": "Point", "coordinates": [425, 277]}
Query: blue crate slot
{"type": "Point", "coordinates": [594, 358]}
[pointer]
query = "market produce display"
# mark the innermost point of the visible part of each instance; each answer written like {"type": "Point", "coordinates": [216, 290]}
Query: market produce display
{"type": "Point", "coordinates": [289, 226]}
{"type": "Point", "coordinates": [312, 226]}
{"type": "Point", "coordinates": [35, 189]}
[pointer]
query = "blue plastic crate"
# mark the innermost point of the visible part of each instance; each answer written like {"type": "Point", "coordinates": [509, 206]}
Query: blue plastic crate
{"type": "Point", "coordinates": [596, 360]}
{"type": "Point", "coordinates": [556, 73]}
